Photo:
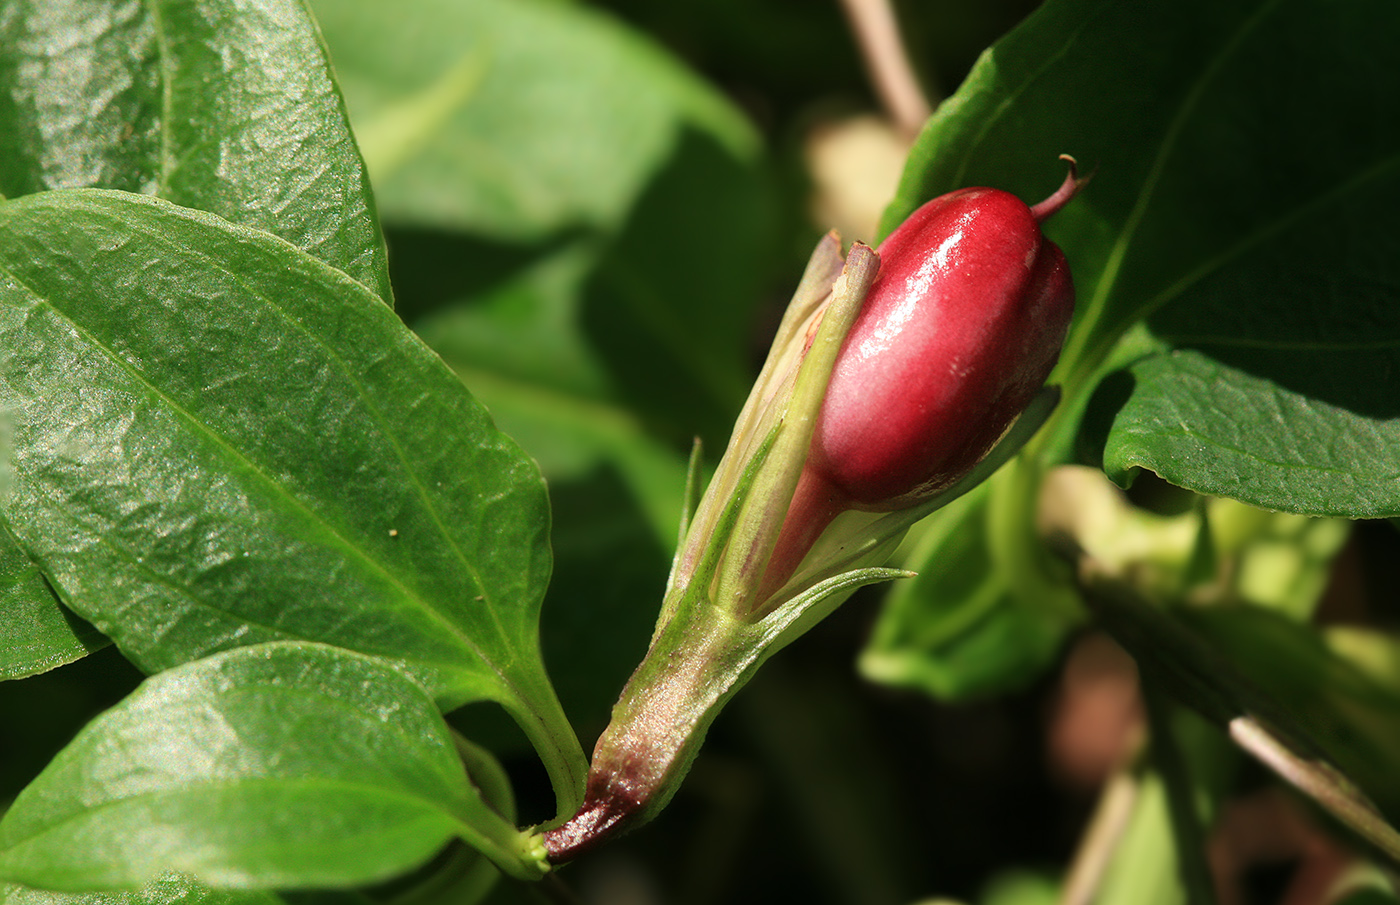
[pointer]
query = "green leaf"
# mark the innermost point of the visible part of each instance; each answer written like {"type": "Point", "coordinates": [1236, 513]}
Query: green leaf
{"type": "Point", "coordinates": [1143, 868]}
{"type": "Point", "coordinates": [287, 765]}
{"type": "Point", "coordinates": [224, 106]}
{"type": "Point", "coordinates": [224, 441]}
{"type": "Point", "coordinates": [512, 118]}
{"type": "Point", "coordinates": [1219, 429]}
{"type": "Point", "coordinates": [959, 629]}
{"type": "Point", "coordinates": [36, 632]}
{"type": "Point", "coordinates": [558, 214]}
{"type": "Point", "coordinates": [1256, 243]}
{"type": "Point", "coordinates": [168, 890]}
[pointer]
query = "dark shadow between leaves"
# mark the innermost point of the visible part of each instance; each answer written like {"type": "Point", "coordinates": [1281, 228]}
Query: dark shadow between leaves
{"type": "Point", "coordinates": [1108, 398]}
{"type": "Point", "coordinates": [432, 269]}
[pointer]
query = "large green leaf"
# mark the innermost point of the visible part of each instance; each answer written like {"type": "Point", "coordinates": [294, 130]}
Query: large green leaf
{"type": "Point", "coordinates": [224, 441]}
{"type": "Point", "coordinates": [1248, 161]}
{"type": "Point", "coordinates": [218, 105]}
{"type": "Point", "coordinates": [279, 765]}
{"type": "Point", "coordinates": [227, 107]}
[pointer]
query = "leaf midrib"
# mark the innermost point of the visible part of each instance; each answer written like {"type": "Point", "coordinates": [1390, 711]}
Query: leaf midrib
{"type": "Point", "coordinates": [238, 456]}
{"type": "Point", "coordinates": [1077, 361]}
{"type": "Point", "coordinates": [236, 786]}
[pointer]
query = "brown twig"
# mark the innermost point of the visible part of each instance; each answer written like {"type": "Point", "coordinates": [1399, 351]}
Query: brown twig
{"type": "Point", "coordinates": [887, 63]}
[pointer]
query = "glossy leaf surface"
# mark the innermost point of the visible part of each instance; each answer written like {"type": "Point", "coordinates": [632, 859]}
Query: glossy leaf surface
{"type": "Point", "coordinates": [215, 105]}
{"type": "Point", "coordinates": [280, 765]}
{"type": "Point", "coordinates": [224, 441]}
{"type": "Point", "coordinates": [226, 107]}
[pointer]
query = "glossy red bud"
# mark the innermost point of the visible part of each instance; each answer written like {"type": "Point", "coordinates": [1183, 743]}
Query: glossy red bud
{"type": "Point", "coordinates": [957, 335]}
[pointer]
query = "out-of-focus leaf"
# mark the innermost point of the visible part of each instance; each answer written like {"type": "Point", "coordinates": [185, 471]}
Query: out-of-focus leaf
{"type": "Point", "coordinates": [225, 441]}
{"type": "Point", "coordinates": [1256, 243]}
{"type": "Point", "coordinates": [222, 106]}
{"type": "Point", "coordinates": [282, 765]}
{"type": "Point", "coordinates": [519, 353]}
{"type": "Point", "coordinates": [602, 196]}
{"type": "Point", "coordinates": [1353, 716]}
{"type": "Point", "coordinates": [512, 118]}
{"type": "Point", "coordinates": [1021, 888]}
{"type": "Point", "coordinates": [1144, 868]}
{"type": "Point", "coordinates": [959, 629]}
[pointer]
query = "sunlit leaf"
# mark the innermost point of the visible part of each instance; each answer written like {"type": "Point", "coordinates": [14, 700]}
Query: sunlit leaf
{"type": "Point", "coordinates": [276, 766]}
{"type": "Point", "coordinates": [224, 441]}
{"type": "Point", "coordinates": [222, 106]}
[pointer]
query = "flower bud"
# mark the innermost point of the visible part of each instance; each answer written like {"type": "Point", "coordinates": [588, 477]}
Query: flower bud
{"type": "Point", "coordinates": [892, 386]}
{"type": "Point", "coordinates": [957, 335]}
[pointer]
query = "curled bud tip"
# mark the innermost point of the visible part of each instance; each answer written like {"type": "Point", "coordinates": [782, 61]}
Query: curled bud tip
{"type": "Point", "coordinates": [1067, 190]}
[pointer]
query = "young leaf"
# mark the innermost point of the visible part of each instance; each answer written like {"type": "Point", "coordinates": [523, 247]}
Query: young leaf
{"type": "Point", "coordinates": [1256, 243]}
{"type": "Point", "coordinates": [225, 441]}
{"type": "Point", "coordinates": [36, 632]}
{"type": "Point", "coordinates": [280, 765]}
{"type": "Point", "coordinates": [224, 106]}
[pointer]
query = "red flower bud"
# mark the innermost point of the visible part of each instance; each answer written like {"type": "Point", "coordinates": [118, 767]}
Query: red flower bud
{"type": "Point", "coordinates": [957, 335]}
